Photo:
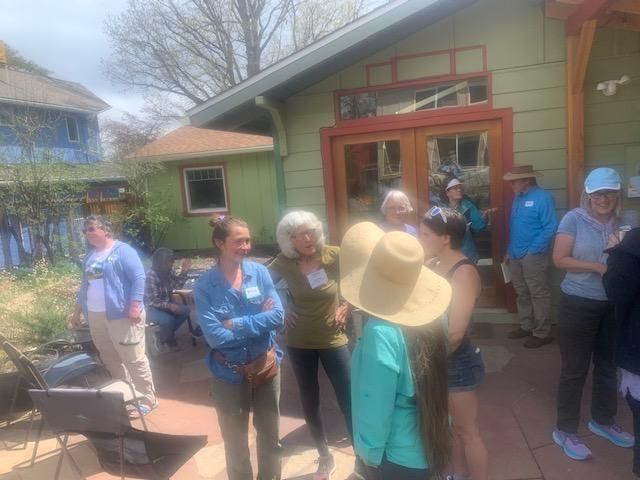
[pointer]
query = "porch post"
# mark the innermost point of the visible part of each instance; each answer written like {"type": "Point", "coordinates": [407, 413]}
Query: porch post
{"type": "Point", "coordinates": [578, 50]}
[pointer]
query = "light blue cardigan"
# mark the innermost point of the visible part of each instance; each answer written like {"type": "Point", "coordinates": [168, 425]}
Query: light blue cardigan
{"type": "Point", "coordinates": [123, 281]}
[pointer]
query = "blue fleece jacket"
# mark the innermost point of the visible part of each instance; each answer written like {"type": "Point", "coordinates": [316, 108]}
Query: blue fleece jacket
{"type": "Point", "coordinates": [123, 277]}
{"type": "Point", "coordinates": [533, 223]}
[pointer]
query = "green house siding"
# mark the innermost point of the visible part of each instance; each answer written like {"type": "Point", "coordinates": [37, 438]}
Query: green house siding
{"type": "Point", "coordinates": [251, 192]}
{"type": "Point", "coordinates": [526, 55]}
{"type": "Point", "coordinates": [612, 124]}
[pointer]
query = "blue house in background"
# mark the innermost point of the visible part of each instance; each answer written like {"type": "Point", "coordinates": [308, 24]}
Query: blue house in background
{"type": "Point", "coordinates": [45, 119]}
{"type": "Point", "coordinates": [41, 115]}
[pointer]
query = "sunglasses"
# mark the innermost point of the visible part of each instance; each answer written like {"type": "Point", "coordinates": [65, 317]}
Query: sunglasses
{"type": "Point", "coordinates": [433, 211]}
{"type": "Point", "coordinates": [91, 229]}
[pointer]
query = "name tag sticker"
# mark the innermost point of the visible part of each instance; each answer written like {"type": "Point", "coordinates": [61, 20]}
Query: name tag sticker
{"type": "Point", "coordinates": [528, 203]}
{"type": "Point", "coordinates": [318, 278]}
{"type": "Point", "coordinates": [252, 292]}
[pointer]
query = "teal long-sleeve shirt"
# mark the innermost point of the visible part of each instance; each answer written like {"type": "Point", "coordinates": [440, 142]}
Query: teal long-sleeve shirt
{"type": "Point", "coordinates": [385, 416]}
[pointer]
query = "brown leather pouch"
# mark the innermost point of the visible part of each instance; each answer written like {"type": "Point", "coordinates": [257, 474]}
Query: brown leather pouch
{"type": "Point", "coordinates": [262, 369]}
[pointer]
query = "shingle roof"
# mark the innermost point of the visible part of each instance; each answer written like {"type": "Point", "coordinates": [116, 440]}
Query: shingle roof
{"type": "Point", "coordinates": [30, 88]}
{"type": "Point", "coordinates": [188, 141]}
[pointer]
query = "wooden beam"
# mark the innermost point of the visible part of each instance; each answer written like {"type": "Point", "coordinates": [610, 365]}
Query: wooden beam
{"type": "Point", "coordinates": [558, 10]}
{"type": "Point", "coordinates": [581, 59]}
{"type": "Point", "coordinates": [587, 10]}
{"type": "Point", "coordinates": [578, 52]}
{"type": "Point", "coordinates": [626, 6]}
{"type": "Point", "coordinates": [620, 20]}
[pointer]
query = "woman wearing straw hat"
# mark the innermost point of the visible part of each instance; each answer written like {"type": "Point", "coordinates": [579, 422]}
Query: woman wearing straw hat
{"type": "Point", "coordinates": [399, 377]}
{"type": "Point", "coordinates": [442, 232]}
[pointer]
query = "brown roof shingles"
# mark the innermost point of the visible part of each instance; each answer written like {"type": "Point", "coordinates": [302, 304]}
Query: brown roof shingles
{"type": "Point", "coordinates": [187, 140]}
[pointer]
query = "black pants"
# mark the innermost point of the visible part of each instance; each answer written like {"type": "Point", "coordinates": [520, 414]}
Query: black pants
{"type": "Point", "coordinates": [634, 405]}
{"type": "Point", "coordinates": [392, 471]}
{"type": "Point", "coordinates": [586, 332]}
{"type": "Point", "coordinates": [337, 365]}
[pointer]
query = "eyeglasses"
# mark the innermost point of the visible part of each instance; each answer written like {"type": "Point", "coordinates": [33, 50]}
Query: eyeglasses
{"type": "Point", "coordinates": [91, 229]}
{"type": "Point", "coordinates": [433, 211]}
{"type": "Point", "coordinates": [305, 233]}
{"type": "Point", "coordinates": [604, 193]}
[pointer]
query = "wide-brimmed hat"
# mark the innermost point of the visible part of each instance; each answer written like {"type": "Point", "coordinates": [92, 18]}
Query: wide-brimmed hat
{"type": "Point", "coordinates": [384, 275]}
{"type": "Point", "coordinates": [521, 171]}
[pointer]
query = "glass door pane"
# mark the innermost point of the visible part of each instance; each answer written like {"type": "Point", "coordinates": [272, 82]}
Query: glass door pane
{"type": "Point", "coordinates": [372, 169]}
{"type": "Point", "coordinates": [465, 156]}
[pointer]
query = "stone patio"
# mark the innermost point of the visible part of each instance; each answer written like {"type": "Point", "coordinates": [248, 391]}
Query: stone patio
{"type": "Point", "coordinates": [517, 414]}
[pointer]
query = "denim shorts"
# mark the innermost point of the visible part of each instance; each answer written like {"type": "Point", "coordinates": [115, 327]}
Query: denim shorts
{"type": "Point", "coordinates": [466, 369]}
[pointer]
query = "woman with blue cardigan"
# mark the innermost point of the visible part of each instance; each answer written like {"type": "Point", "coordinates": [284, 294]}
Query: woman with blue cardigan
{"type": "Point", "coordinates": [110, 298]}
{"type": "Point", "coordinates": [399, 376]}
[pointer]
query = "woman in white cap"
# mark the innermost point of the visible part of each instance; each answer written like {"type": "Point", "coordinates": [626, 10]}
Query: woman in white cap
{"type": "Point", "coordinates": [395, 208]}
{"type": "Point", "coordinates": [453, 197]}
{"type": "Point", "coordinates": [399, 377]}
{"type": "Point", "coordinates": [586, 324]}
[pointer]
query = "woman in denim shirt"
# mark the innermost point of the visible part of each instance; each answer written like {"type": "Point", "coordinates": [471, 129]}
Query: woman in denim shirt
{"type": "Point", "coordinates": [240, 314]}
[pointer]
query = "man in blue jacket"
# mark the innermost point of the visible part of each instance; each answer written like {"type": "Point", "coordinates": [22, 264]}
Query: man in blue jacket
{"type": "Point", "coordinates": [533, 224]}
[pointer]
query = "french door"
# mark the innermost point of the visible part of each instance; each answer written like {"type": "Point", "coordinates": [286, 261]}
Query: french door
{"type": "Point", "coordinates": [417, 161]}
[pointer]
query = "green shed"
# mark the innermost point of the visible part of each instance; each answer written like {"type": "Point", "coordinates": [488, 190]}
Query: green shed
{"type": "Point", "coordinates": [210, 172]}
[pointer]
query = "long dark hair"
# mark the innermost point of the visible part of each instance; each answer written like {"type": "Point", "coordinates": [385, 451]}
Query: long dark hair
{"type": "Point", "coordinates": [428, 358]}
{"type": "Point", "coordinates": [447, 222]}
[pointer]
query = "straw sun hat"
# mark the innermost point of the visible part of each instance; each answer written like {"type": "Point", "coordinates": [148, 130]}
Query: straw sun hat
{"type": "Point", "coordinates": [384, 275]}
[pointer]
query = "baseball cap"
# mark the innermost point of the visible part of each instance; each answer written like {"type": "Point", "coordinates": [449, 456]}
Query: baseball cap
{"type": "Point", "coordinates": [602, 179]}
{"type": "Point", "coordinates": [454, 182]}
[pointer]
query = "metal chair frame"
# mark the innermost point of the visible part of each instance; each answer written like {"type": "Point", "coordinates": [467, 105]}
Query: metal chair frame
{"type": "Point", "coordinates": [29, 372]}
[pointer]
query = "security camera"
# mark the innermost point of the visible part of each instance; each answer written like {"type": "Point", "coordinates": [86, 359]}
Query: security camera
{"type": "Point", "coordinates": [609, 87]}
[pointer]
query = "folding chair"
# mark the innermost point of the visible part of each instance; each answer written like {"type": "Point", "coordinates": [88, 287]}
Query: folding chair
{"type": "Point", "coordinates": [121, 449]}
{"type": "Point", "coordinates": [63, 371]}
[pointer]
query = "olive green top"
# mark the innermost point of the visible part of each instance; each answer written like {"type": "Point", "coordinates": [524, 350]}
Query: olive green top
{"type": "Point", "coordinates": [316, 308]}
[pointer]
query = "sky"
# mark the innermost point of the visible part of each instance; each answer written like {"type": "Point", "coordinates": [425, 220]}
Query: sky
{"type": "Point", "coordinates": [67, 37]}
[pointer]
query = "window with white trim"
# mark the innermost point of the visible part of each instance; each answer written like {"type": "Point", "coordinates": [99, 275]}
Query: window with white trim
{"type": "Point", "coordinates": [72, 129]}
{"type": "Point", "coordinates": [205, 189]}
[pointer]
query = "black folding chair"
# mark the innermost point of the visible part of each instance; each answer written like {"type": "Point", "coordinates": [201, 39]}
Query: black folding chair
{"type": "Point", "coordinates": [121, 449]}
{"type": "Point", "coordinates": [63, 371]}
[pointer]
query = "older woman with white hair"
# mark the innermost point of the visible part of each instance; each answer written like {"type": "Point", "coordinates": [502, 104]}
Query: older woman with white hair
{"type": "Point", "coordinates": [395, 208]}
{"type": "Point", "coordinates": [314, 320]}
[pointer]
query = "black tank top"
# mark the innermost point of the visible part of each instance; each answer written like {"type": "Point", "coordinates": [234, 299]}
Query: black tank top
{"type": "Point", "coordinates": [466, 341]}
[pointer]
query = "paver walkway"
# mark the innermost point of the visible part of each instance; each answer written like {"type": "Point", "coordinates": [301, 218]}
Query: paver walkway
{"type": "Point", "coordinates": [517, 416]}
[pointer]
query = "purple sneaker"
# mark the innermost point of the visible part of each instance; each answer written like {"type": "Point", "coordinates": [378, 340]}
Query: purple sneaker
{"type": "Point", "coordinates": [572, 445]}
{"type": "Point", "coordinates": [613, 433]}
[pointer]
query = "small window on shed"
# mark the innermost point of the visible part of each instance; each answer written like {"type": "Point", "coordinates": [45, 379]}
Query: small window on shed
{"type": "Point", "coordinates": [205, 189]}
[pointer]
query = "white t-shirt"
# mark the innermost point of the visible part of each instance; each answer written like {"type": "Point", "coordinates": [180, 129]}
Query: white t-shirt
{"type": "Point", "coordinates": [94, 271]}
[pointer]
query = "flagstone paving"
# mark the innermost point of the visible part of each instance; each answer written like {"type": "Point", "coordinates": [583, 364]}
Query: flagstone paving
{"type": "Point", "coordinates": [517, 415]}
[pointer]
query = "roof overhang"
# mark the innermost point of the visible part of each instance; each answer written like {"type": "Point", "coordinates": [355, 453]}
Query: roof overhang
{"type": "Point", "coordinates": [235, 109]}
{"type": "Point", "coordinates": [66, 108]}
{"type": "Point", "coordinates": [205, 154]}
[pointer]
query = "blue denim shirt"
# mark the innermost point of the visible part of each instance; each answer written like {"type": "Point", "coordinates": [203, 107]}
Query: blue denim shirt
{"type": "Point", "coordinates": [254, 331]}
{"type": "Point", "coordinates": [533, 223]}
